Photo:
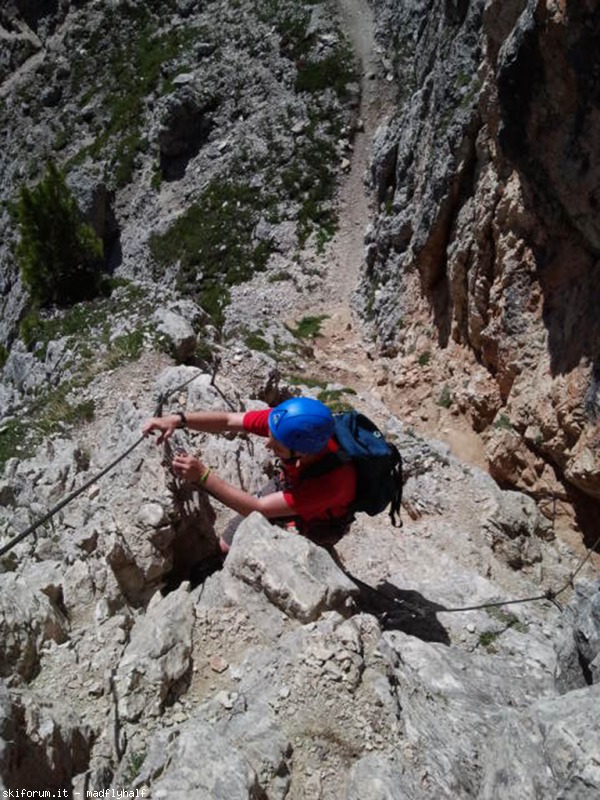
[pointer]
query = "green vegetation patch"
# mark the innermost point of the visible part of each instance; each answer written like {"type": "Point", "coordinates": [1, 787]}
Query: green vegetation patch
{"type": "Point", "coordinates": [487, 639]}
{"type": "Point", "coordinates": [13, 435]}
{"type": "Point", "coordinates": [503, 423]}
{"type": "Point", "coordinates": [309, 327]}
{"type": "Point", "coordinates": [256, 342]}
{"type": "Point", "coordinates": [508, 619]}
{"type": "Point", "coordinates": [50, 413]}
{"type": "Point", "coordinates": [309, 176]}
{"type": "Point", "coordinates": [129, 43]}
{"type": "Point", "coordinates": [302, 380]}
{"type": "Point", "coordinates": [87, 324]}
{"type": "Point", "coordinates": [213, 243]}
{"type": "Point", "coordinates": [445, 398]}
{"type": "Point", "coordinates": [335, 72]}
{"type": "Point", "coordinates": [336, 400]}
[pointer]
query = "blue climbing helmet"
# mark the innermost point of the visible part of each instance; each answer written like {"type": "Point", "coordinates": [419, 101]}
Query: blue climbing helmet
{"type": "Point", "coordinates": [302, 424]}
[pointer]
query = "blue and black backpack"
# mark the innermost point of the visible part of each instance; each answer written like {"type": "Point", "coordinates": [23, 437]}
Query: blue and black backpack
{"type": "Point", "coordinates": [378, 465]}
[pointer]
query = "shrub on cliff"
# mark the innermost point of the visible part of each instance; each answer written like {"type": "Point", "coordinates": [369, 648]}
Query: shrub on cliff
{"type": "Point", "coordinates": [59, 255]}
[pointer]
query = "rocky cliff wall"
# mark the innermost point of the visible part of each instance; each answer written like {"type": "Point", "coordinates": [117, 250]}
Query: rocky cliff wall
{"type": "Point", "coordinates": [485, 247]}
{"type": "Point", "coordinates": [124, 668]}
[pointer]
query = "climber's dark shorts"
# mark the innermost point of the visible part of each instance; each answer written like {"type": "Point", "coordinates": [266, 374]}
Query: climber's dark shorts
{"type": "Point", "coordinates": [326, 533]}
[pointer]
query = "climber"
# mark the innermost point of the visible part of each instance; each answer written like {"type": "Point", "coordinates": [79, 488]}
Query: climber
{"type": "Point", "coordinates": [299, 433]}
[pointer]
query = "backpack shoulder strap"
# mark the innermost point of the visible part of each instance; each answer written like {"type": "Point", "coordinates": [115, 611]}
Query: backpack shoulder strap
{"type": "Point", "coordinates": [326, 464]}
{"type": "Point", "coordinates": [397, 484]}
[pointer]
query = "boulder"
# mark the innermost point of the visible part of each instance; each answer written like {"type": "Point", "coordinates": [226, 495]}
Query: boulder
{"type": "Point", "coordinates": [377, 777]}
{"type": "Point", "coordinates": [578, 647]}
{"type": "Point", "coordinates": [27, 620]}
{"type": "Point", "coordinates": [297, 576]}
{"type": "Point", "coordinates": [49, 744]}
{"type": "Point", "coordinates": [548, 750]}
{"type": "Point", "coordinates": [515, 528]}
{"type": "Point", "coordinates": [178, 332]}
{"type": "Point", "coordinates": [194, 760]}
{"type": "Point", "coordinates": [158, 657]}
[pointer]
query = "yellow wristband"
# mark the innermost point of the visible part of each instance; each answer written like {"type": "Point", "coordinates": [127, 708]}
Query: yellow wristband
{"type": "Point", "coordinates": [204, 476]}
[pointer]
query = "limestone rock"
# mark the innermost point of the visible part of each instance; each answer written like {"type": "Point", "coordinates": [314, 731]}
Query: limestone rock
{"type": "Point", "coordinates": [7, 733]}
{"type": "Point", "coordinates": [475, 691]}
{"type": "Point", "coordinates": [378, 778]}
{"type": "Point", "coordinates": [578, 648]}
{"type": "Point", "coordinates": [546, 750]}
{"type": "Point", "coordinates": [515, 527]}
{"type": "Point", "coordinates": [27, 621]}
{"type": "Point", "coordinates": [186, 125]}
{"type": "Point", "coordinates": [504, 268]}
{"type": "Point", "coordinates": [178, 332]}
{"type": "Point", "coordinates": [297, 576]}
{"type": "Point", "coordinates": [49, 744]}
{"type": "Point", "coordinates": [157, 658]}
{"type": "Point", "coordinates": [195, 760]}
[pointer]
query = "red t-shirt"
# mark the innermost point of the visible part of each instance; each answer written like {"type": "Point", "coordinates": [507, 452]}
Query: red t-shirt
{"type": "Point", "coordinates": [313, 498]}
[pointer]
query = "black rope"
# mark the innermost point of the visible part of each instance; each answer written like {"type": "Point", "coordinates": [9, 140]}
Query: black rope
{"type": "Point", "coordinates": [550, 594]}
{"type": "Point", "coordinates": [66, 500]}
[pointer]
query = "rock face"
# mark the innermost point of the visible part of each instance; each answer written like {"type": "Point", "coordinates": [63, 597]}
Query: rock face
{"type": "Point", "coordinates": [405, 664]}
{"type": "Point", "coordinates": [304, 585]}
{"type": "Point", "coordinates": [579, 649]}
{"type": "Point", "coordinates": [281, 670]}
{"type": "Point", "coordinates": [488, 228]}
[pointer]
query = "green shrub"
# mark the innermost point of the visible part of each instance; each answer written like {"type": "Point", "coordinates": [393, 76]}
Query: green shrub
{"type": "Point", "coordinates": [3, 355]}
{"type": "Point", "coordinates": [445, 398]}
{"type": "Point", "coordinates": [281, 275]}
{"type": "Point", "coordinates": [334, 71]}
{"type": "Point", "coordinates": [213, 243]}
{"type": "Point", "coordinates": [256, 342]}
{"type": "Point", "coordinates": [334, 398]}
{"type": "Point", "coordinates": [127, 347]}
{"type": "Point", "coordinates": [59, 255]}
{"type": "Point", "coordinates": [13, 435]}
{"type": "Point", "coordinates": [487, 640]}
{"type": "Point", "coordinates": [309, 327]}
{"type": "Point", "coordinates": [503, 423]}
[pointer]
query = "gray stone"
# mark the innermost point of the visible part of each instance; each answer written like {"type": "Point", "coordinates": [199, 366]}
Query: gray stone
{"type": "Point", "coordinates": [7, 733]}
{"type": "Point", "coordinates": [548, 750]}
{"type": "Point", "coordinates": [183, 79]}
{"type": "Point", "coordinates": [376, 777]}
{"type": "Point", "coordinates": [157, 657]}
{"type": "Point", "coordinates": [474, 689]}
{"type": "Point", "coordinates": [297, 576]}
{"type": "Point", "coordinates": [179, 333]}
{"type": "Point", "coordinates": [515, 527]}
{"type": "Point", "coordinates": [152, 515]}
{"type": "Point", "coordinates": [196, 761]}
{"type": "Point", "coordinates": [578, 647]}
{"type": "Point", "coordinates": [49, 742]}
{"type": "Point", "coordinates": [258, 735]}
{"type": "Point", "coordinates": [27, 621]}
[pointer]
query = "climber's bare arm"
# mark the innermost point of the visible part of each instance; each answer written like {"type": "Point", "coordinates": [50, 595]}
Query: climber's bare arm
{"type": "Point", "coordinates": [192, 469]}
{"type": "Point", "coordinates": [206, 421]}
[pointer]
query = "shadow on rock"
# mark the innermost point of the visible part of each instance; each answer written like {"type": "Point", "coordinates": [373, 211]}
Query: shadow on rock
{"type": "Point", "coordinates": [402, 610]}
